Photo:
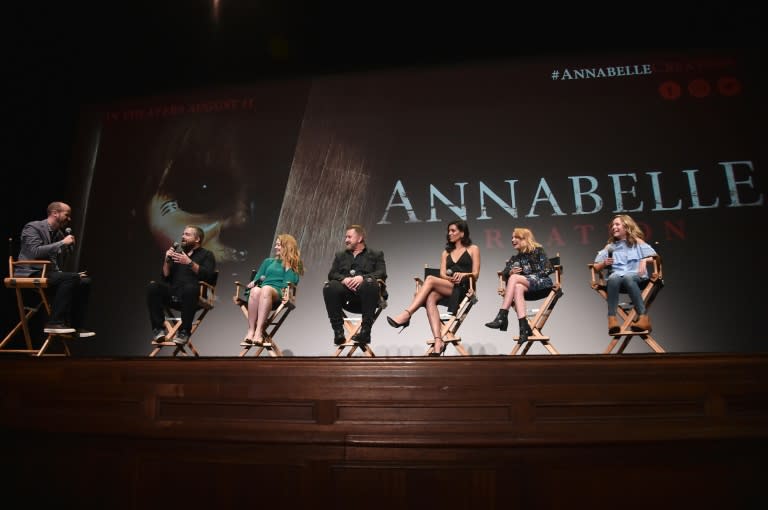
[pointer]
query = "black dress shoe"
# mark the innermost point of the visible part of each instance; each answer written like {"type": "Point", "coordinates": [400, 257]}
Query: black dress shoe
{"type": "Point", "coordinates": [338, 336]}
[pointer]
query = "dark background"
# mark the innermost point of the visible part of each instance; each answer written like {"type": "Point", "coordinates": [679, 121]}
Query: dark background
{"type": "Point", "coordinates": [59, 58]}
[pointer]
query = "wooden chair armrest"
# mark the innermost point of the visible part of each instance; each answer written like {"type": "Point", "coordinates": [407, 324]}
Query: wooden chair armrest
{"type": "Point", "coordinates": [472, 283]}
{"type": "Point", "coordinates": [13, 263]}
{"type": "Point", "coordinates": [655, 273]}
{"type": "Point", "coordinates": [236, 299]}
{"type": "Point", "coordinates": [597, 279]}
{"type": "Point", "coordinates": [289, 293]}
{"type": "Point", "coordinates": [207, 293]}
{"type": "Point", "coordinates": [502, 284]}
{"type": "Point", "coordinates": [557, 276]}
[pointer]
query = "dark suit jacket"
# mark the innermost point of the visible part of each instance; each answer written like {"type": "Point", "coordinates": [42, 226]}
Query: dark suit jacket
{"type": "Point", "coordinates": [38, 243]}
{"type": "Point", "coordinates": [369, 263]}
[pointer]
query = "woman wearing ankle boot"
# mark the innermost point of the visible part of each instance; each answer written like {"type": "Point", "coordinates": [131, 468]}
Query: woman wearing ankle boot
{"type": "Point", "coordinates": [527, 271]}
{"type": "Point", "coordinates": [459, 261]}
{"type": "Point", "coordinates": [625, 257]}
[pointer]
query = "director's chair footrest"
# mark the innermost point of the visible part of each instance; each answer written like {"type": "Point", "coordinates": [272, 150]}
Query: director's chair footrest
{"type": "Point", "coordinates": [353, 346]}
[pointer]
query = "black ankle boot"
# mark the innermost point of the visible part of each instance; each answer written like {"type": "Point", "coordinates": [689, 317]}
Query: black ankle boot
{"type": "Point", "coordinates": [363, 335]}
{"type": "Point", "coordinates": [338, 331]}
{"type": "Point", "coordinates": [500, 322]}
{"type": "Point", "coordinates": [525, 330]}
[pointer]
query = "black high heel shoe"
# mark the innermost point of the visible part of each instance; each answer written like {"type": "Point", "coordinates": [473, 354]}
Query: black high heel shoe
{"type": "Point", "coordinates": [396, 324]}
{"type": "Point", "coordinates": [435, 352]}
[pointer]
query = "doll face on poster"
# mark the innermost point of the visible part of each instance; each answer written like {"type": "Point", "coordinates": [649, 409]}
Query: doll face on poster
{"type": "Point", "coordinates": [202, 184]}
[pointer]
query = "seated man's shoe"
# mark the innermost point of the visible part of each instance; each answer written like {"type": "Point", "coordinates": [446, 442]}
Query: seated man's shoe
{"type": "Point", "coordinates": [643, 324]}
{"type": "Point", "coordinates": [181, 338]}
{"type": "Point", "coordinates": [58, 328]}
{"type": "Point", "coordinates": [84, 333]}
{"type": "Point", "coordinates": [613, 325]}
{"type": "Point", "coordinates": [338, 336]}
{"type": "Point", "coordinates": [158, 335]}
{"type": "Point", "coordinates": [363, 335]}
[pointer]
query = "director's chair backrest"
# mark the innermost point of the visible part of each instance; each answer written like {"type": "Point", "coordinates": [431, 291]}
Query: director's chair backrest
{"type": "Point", "coordinates": [279, 313]}
{"type": "Point", "coordinates": [37, 286]}
{"type": "Point", "coordinates": [537, 317]}
{"type": "Point", "coordinates": [626, 311]}
{"type": "Point", "coordinates": [451, 322]}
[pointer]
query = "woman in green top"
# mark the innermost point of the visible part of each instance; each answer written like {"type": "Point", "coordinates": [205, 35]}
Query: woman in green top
{"type": "Point", "coordinates": [268, 283]}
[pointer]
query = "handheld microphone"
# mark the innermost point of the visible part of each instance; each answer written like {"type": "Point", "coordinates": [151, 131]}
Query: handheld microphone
{"type": "Point", "coordinates": [609, 250]}
{"type": "Point", "coordinates": [449, 272]}
{"type": "Point", "coordinates": [68, 232]}
{"type": "Point", "coordinates": [352, 272]}
{"type": "Point", "coordinates": [176, 248]}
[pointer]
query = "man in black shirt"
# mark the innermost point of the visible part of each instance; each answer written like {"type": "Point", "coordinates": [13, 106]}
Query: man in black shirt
{"type": "Point", "coordinates": [184, 266]}
{"type": "Point", "coordinates": [353, 283]}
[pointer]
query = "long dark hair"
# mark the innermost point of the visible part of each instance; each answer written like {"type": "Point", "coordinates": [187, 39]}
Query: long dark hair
{"type": "Point", "coordinates": [463, 227]}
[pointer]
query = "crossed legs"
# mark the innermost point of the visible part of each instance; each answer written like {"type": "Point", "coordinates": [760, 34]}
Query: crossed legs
{"type": "Point", "coordinates": [517, 285]}
{"type": "Point", "coordinates": [433, 290]}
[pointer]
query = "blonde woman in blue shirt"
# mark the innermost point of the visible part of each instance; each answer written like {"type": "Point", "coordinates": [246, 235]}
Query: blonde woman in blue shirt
{"type": "Point", "coordinates": [625, 255]}
{"type": "Point", "coordinates": [268, 283]}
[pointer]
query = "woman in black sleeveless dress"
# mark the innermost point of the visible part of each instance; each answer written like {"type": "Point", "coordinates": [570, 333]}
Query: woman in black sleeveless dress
{"type": "Point", "coordinates": [459, 262]}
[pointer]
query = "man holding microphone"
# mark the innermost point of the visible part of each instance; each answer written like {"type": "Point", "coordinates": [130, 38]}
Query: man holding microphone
{"type": "Point", "coordinates": [52, 239]}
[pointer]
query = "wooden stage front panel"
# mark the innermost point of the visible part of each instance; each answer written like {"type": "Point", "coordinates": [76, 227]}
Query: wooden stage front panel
{"type": "Point", "coordinates": [632, 431]}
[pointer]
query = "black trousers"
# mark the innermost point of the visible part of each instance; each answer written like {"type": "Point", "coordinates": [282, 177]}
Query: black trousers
{"type": "Point", "coordinates": [160, 295]}
{"type": "Point", "coordinates": [364, 301]}
{"type": "Point", "coordinates": [70, 297]}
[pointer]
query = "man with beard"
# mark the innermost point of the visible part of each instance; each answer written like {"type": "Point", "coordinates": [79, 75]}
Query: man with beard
{"type": "Point", "coordinates": [184, 266]}
{"type": "Point", "coordinates": [50, 239]}
{"type": "Point", "coordinates": [353, 280]}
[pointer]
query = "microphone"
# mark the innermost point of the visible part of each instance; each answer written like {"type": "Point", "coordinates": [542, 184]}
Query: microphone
{"type": "Point", "coordinates": [449, 272]}
{"type": "Point", "coordinates": [176, 248]}
{"type": "Point", "coordinates": [68, 232]}
{"type": "Point", "coordinates": [609, 250]}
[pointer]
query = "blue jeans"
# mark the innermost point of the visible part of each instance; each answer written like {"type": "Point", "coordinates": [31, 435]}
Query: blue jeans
{"type": "Point", "coordinates": [629, 283]}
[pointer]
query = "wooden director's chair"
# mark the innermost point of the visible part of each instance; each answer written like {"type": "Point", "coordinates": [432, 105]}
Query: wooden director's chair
{"type": "Point", "coordinates": [450, 322]}
{"type": "Point", "coordinates": [280, 311]}
{"type": "Point", "coordinates": [205, 303]}
{"type": "Point", "coordinates": [626, 311]}
{"type": "Point", "coordinates": [537, 317]}
{"type": "Point", "coordinates": [353, 320]}
{"type": "Point", "coordinates": [38, 286]}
